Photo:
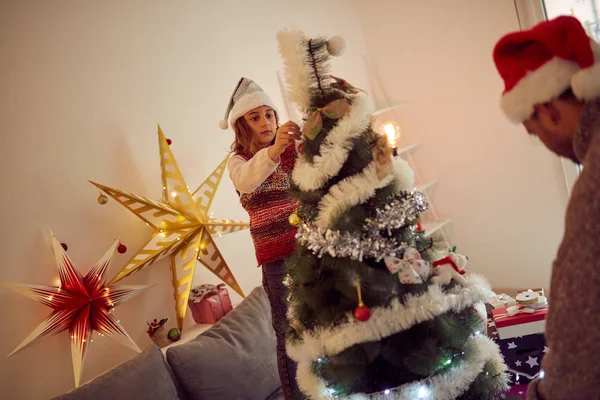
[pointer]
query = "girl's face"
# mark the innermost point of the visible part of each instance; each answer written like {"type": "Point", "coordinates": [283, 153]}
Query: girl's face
{"type": "Point", "coordinates": [263, 124]}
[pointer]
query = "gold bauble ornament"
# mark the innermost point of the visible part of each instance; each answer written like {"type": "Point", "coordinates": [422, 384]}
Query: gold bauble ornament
{"type": "Point", "coordinates": [295, 219]}
{"type": "Point", "coordinates": [102, 199]}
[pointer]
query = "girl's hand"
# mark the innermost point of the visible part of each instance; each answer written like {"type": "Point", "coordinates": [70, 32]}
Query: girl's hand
{"type": "Point", "coordinates": [285, 136]}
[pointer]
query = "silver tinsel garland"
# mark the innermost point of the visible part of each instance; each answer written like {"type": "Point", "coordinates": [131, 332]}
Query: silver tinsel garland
{"type": "Point", "coordinates": [370, 243]}
{"type": "Point", "coordinates": [400, 212]}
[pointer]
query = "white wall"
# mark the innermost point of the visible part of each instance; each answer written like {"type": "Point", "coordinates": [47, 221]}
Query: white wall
{"type": "Point", "coordinates": [505, 193]}
{"type": "Point", "coordinates": [82, 86]}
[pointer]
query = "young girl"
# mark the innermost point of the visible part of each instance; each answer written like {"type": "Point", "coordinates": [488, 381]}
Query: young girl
{"type": "Point", "coordinates": [264, 157]}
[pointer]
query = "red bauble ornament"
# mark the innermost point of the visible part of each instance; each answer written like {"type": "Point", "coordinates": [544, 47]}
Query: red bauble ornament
{"type": "Point", "coordinates": [362, 313]}
{"type": "Point", "coordinates": [64, 246]}
{"type": "Point", "coordinates": [122, 248]}
{"type": "Point", "coordinates": [169, 141]}
{"type": "Point", "coordinates": [301, 148]}
{"type": "Point", "coordinates": [419, 227]}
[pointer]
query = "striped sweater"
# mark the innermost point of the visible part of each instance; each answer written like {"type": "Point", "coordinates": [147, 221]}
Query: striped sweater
{"type": "Point", "coordinates": [264, 189]}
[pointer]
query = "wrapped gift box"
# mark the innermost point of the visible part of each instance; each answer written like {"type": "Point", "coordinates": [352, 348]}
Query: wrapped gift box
{"type": "Point", "coordinates": [526, 321]}
{"type": "Point", "coordinates": [213, 305]}
{"type": "Point", "coordinates": [517, 392]}
{"type": "Point", "coordinates": [522, 354]}
{"type": "Point", "coordinates": [502, 300]}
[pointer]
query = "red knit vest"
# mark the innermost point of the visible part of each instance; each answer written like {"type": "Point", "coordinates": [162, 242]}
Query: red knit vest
{"type": "Point", "coordinates": [269, 208]}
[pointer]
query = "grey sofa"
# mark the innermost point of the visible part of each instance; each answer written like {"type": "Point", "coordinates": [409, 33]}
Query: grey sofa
{"type": "Point", "coordinates": [235, 359]}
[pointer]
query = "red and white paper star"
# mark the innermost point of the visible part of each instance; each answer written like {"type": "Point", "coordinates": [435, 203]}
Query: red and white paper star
{"type": "Point", "coordinates": [81, 305]}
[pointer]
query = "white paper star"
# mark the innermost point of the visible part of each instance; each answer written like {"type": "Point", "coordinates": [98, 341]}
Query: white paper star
{"type": "Point", "coordinates": [521, 392]}
{"type": "Point", "coordinates": [512, 345]}
{"type": "Point", "coordinates": [545, 349]}
{"type": "Point", "coordinates": [532, 361]}
{"type": "Point", "coordinates": [518, 363]}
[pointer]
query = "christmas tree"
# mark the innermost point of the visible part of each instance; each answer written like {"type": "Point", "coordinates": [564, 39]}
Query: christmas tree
{"type": "Point", "coordinates": [377, 308]}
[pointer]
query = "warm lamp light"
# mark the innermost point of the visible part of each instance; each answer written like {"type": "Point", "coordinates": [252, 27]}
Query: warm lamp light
{"type": "Point", "coordinates": [392, 130]}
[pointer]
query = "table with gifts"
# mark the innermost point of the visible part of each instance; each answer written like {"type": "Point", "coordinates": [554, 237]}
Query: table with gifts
{"type": "Point", "coordinates": [517, 326]}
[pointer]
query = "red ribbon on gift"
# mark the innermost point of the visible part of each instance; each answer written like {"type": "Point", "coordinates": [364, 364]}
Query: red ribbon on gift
{"type": "Point", "coordinates": [518, 315]}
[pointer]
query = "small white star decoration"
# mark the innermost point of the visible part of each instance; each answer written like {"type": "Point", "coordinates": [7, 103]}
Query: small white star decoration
{"type": "Point", "coordinates": [545, 349]}
{"type": "Point", "coordinates": [512, 345]}
{"type": "Point", "coordinates": [518, 363]}
{"type": "Point", "coordinates": [532, 361]}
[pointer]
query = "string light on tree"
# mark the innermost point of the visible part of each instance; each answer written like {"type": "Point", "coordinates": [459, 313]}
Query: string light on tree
{"type": "Point", "coordinates": [423, 392]}
{"type": "Point", "coordinates": [392, 131]}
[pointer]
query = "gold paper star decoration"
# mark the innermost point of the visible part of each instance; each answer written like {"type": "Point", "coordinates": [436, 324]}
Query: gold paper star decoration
{"type": "Point", "coordinates": [81, 305]}
{"type": "Point", "coordinates": [184, 228]}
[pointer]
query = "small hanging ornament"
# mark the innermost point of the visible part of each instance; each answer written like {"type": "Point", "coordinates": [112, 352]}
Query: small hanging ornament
{"type": "Point", "coordinates": [362, 312]}
{"type": "Point", "coordinates": [314, 121]}
{"type": "Point", "coordinates": [411, 269]}
{"type": "Point", "coordinates": [102, 199]}
{"type": "Point", "coordinates": [417, 225]}
{"type": "Point", "coordinates": [295, 219]}
{"type": "Point", "coordinates": [301, 147]}
{"type": "Point", "coordinates": [169, 141]}
{"type": "Point", "coordinates": [122, 248]}
{"type": "Point", "coordinates": [174, 334]}
{"type": "Point", "coordinates": [450, 268]}
{"type": "Point", "coordinates": [64, 246]}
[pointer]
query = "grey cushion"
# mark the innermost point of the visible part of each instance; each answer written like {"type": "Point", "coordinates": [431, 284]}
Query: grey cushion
{"type": "Point", "coordinates": [235, 359]}
{"type": "Point", "coordinates": [146, 376]}
{"type": "Point", "coordinates": [278, 395]}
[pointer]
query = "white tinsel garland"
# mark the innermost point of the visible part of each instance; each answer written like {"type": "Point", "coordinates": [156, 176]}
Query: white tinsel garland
{"type": "Point", "coordinates": [405, 176]}
{"type": "Point", "coordinates": [384, 322]}
{"type": "Point", "coordinates": [335, 148]}
{"type": "Point", "coordinates": [297, 69]}
{"type": "Point", "coordinates": [349, 192]}
{"type": "Point", "coordinates": [446, 385]}
{"type": "Point", "coordinates": [398, 213]}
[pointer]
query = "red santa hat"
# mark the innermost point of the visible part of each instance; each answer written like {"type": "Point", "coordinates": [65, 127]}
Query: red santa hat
{"type": "Point", "coordinates": [539, 64]}
{"type": "Point", "coordinates": [246, 96]}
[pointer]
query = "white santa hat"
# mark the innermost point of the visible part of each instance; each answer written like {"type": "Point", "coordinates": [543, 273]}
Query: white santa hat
{"type": "Point", "coordinates": [246, 96]}
{"type": "Point", "coordinates": [539, 64]}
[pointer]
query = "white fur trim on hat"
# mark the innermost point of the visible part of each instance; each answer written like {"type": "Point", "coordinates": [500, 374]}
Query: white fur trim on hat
{"type": "Point", "coordinates": [537, 87]}
{"type": "Point", "coordinates": [247, 103]}
{"type": "Point", "coordinates": [586, 83]}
